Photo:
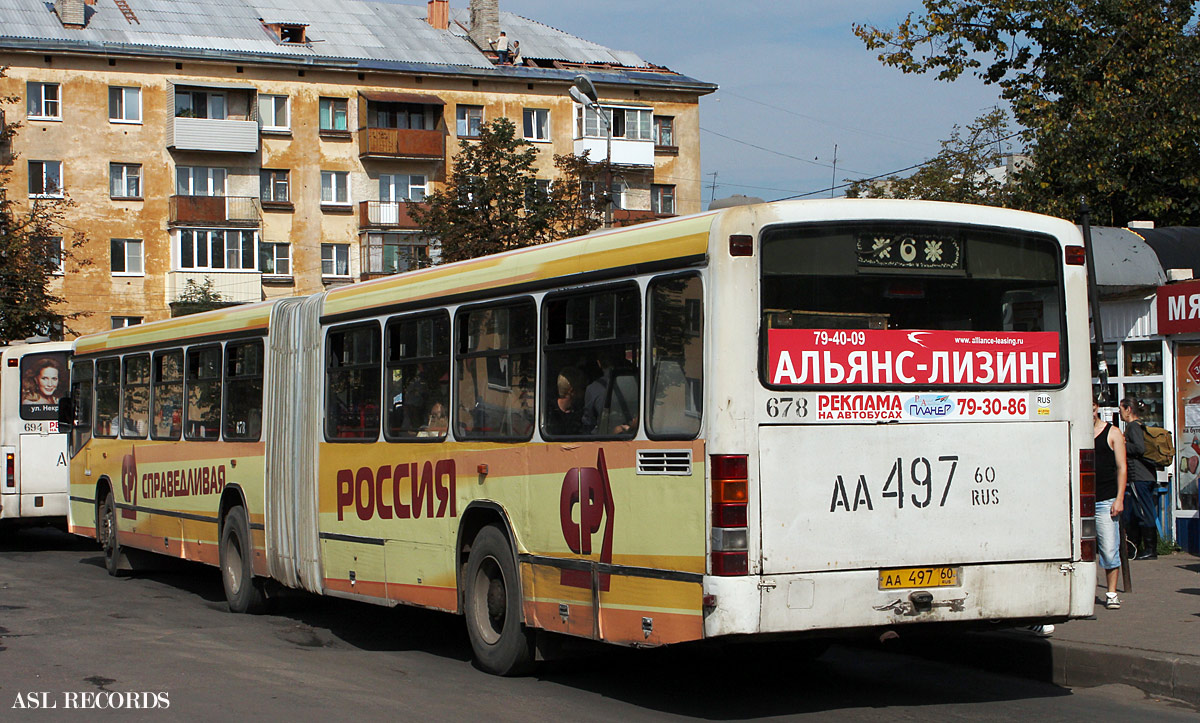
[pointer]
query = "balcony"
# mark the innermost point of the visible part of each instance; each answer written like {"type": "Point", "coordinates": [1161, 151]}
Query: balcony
{"type": "Point", "coordinates": [215, 210]}
{"type": "Point", "coordinates": [235, 287]}
{"type": "Point", "coordinates": [404, 143]}
{"type": "Point", "coordinates": [212, 135]}
{"type": "Point", "coordinates": [624, 153]}
{"type": "Point", "coordinates": [387, 214]}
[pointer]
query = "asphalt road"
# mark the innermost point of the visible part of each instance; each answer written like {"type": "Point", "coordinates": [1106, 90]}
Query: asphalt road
{"type": "Point", "coordinates": [67, 628]}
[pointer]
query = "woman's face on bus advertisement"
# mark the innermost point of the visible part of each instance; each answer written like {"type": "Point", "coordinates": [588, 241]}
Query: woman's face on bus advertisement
{"type": "Point", "coordinates": [48, 382]}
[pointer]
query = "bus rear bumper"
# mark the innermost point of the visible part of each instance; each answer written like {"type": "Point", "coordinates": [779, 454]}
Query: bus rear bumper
{"type": "Point", "coordinates": [829, 601]}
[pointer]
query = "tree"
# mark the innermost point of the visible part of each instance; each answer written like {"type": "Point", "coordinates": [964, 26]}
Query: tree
{"type": "Point", "coordinates": [957, 173]}
{"type": "Point", "coordinates": [492, 201]}
{"type": "Point", "coordinates": [197, 297]}
{"type": "Point", "coordinates": [1106, 89]}
{"type": "Point", "coordinates": [35, 244]}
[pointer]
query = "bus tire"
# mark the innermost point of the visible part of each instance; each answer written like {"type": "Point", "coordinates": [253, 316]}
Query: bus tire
{"type": "Point", "coordinates": [242, 591]}
{"type": "Point", "coordinates": [106, 533]}
{"type": "Point", "coordinates": [500, 641]}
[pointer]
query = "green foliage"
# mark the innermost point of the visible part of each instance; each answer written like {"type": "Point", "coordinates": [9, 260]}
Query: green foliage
{"type": "Point", "coordinates": [35, 244]}
{"type": "Point", "coordinates": [957, 173]}
{"type": "Point", "coordinates": [197, 297]}
{"type": "Point", "coordinates": [491, 202]}
{"type": "Point", "coordinates": [1106, 89]}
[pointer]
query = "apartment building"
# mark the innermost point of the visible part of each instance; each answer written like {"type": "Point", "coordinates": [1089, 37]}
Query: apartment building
{"type": "Point", "coordinates": [276, 146]}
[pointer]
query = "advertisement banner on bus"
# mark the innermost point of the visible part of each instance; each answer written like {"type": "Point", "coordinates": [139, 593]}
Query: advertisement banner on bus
{"type": "Point", "coordinates": [888, 357]}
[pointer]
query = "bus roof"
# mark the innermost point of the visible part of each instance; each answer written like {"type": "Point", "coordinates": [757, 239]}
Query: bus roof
{"type": "Point", "coordinates": [235, 319]}
{"type": "Point", "coordinates": [643, 246]}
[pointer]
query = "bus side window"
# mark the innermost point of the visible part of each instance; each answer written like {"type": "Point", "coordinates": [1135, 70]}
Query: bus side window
{"type": "Point", "coordinates": [82, 374]}
{"type": "Point", "coordinates": [676, 356]}
{"type": "Point", "coordinates": [496, 357]}
{"type": "Point", "coordinates": [352, 383]}
{"type": "Point", "coordinates": [167, 403]}
{"type": "Point", "coordinates": [135, 397]}
{"type": "Point", "coordinates": [417, 400]}
{"type": "Point", "coordinates": [108, 396]}
{"type": "Point", "coordinates": [202, 413]}
{"type": "Point", "coordinates": [244, 390]}
{"type": "Point", "coordinates": [590, 375]}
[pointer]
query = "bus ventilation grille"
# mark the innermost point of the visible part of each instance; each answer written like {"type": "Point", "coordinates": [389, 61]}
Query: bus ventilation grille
{"type": "Point", "coordinates": [664, 461]}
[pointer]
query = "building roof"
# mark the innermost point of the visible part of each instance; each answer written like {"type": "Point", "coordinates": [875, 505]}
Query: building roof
{"type": "Point", "coordinates": [355, 33]}
{"type": "Point", "coordinates": [1123, 260]}
{"type": "Point", "coordinates": [1177, 247]}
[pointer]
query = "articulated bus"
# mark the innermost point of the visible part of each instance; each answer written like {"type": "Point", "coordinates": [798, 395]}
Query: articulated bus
{"type": "Point", "coordinates": [33, 377]}
{"type": "Point", "coordinates": [807, 419]}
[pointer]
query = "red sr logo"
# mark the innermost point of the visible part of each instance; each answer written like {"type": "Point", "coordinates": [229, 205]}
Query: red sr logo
{"type": "Point", "coordinates": [588, 489]}
{"type": "Point", "coordinates": [129, 479]}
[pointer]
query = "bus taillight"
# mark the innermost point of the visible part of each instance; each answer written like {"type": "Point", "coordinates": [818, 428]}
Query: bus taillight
{"type": "Point", "coordinates": [10, 469]}
{"type": "Point", "coordinates": [1087, 504]}
{"type": "Point", "coordinates": [730, 483]}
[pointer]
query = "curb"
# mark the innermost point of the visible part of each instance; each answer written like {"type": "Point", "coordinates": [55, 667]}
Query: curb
{"type": "Point", "coordinates": [1063, 662]}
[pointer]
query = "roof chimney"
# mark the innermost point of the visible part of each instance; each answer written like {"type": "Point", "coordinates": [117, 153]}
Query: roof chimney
{"type": "Point", "coordinates": [71, 13]}
{"type": "Point", "coordinates": [439, 14]}
{"type": "Point", "coordinates": [485, 22]}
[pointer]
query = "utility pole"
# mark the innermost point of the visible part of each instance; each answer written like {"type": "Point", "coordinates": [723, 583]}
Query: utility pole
{"type": "Point", "coordinates": [713, 196]}
{"type": "Point", "coordinates": [833, 179]}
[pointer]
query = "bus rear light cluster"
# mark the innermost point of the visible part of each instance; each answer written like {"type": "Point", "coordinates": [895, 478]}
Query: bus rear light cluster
{"type": "Point", "coordinates": [1087, 504]}
{"type": "Point", "coordinates": [10, 469]}
{"type": "Point", "coordinates": [1076, 256]}
{"type": "Point", "coordinates": [730, 484]}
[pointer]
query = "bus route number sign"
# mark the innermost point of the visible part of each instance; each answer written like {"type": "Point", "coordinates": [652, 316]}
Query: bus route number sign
{"type": "Point", "coordinates": [909, 251]}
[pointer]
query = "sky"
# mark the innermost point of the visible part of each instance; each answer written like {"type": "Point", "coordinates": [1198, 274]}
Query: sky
{"type": "Point", "coordinates": [794, 81]}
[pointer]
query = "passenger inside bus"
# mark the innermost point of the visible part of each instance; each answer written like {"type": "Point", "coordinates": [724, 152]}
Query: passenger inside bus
{"type": "Point", "coordinates": [565, 414]}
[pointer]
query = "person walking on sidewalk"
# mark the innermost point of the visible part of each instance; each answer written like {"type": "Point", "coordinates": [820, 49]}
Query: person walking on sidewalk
{"type": "Point", "coordinates": [1111, 477]}
{"type": "Point", "coordinates": [1142, 478]}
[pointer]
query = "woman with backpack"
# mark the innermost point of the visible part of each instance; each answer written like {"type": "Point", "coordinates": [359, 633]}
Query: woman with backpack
{"type": "Point", "coordinates": [1142, 480]}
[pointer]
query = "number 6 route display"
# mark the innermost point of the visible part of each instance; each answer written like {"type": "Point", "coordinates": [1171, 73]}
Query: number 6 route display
{"type": "Point", "coordinates": [802, 419]}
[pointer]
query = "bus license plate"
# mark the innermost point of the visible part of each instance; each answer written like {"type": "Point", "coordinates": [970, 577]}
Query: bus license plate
{"type": "Point", "coordinates": [910, 577]}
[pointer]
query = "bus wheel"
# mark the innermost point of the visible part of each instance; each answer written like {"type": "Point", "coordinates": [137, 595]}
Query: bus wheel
{"type": "Point", "coordinates": [107, 534]}
{"type": "Point", "coordinates": [502, 645]}
{"type": "Point", "coordinates": [242, 591]}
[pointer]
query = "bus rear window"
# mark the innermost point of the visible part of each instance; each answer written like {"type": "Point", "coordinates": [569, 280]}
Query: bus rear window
{"type": "Point", "coordinates": [880, 304]}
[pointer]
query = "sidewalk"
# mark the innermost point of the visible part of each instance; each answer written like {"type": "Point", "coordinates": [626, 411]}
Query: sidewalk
{"type": "Point", "coordinates": [1152, 642]}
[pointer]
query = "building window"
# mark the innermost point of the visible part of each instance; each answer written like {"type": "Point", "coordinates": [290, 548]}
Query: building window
{"type": "Point", "coordinates": [334, 114]}
{"type": "Point", "coordinates": [45, 179]}
{"type": "Point", "coordinates": [469, 120]}
{"type": "Point", "coordinates": [401, 187]}
{"type": "Point", "coordinates": [124, 104]}
{"type": "Point", "coordinates": [216, 249]}
{"type": "Point", "coordinates": [662, 199]}
{"type": "Point", "coordinates": [664, 130]}
{"type": "Point", "coordinates": [200, 181]}
{"type": "Point", "coordinates": [536, 124]}
{"type": "Point", "coordinates": [273, 112]}
{"type": "Point", "coordinates": [275, 259]}
{"type": "Point", "coordinates": [335, 187]}
{"type": "Point", "coordinates": [412, 116]}
{"type": "Point", "coordinates": [199, 104]}
{"type": "Point", "coordinates": [120, 322]}
{"type": "Point", "coordinates": [127, 257]}
{"type": "Point", "coordinates": [54, 249]}
{"type": "Point", "coordinates": [125, 180]}
{"type": "Point", "coordinates": [273, 186]}
{"type": "Point", "coordinates": [629, 124]}
{"type": "Point", "coordinates": [536, 191]}
{"type": "Point", "coordinates": [335, 259]}
{"type": "Point", "coordinates": [43, 101]}
{"type": "Point", "coordinates": [391, 253]}
{"type": "Point", "coordinates": [617, 193]}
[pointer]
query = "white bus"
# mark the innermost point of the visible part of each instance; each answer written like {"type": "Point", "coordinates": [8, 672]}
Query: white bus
{"type": "Point", "coordinates": [33, 377]}
{"type": "Point", "coordinates": [797, 418]}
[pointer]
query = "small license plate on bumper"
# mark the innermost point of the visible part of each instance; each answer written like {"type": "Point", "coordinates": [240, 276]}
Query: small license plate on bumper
{"type": "Point", "coordinates": [905, 578]}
